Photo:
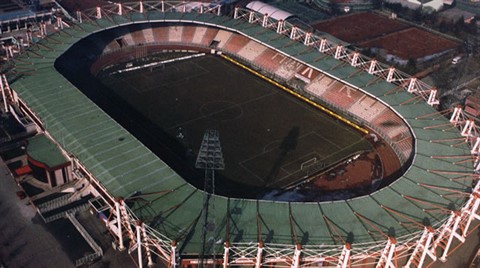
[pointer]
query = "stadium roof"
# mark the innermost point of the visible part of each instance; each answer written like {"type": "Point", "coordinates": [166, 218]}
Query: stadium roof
{"type": "Point", "coordinates": [272, 11]}
{"type": "Point", "coordinates": [124, 166]}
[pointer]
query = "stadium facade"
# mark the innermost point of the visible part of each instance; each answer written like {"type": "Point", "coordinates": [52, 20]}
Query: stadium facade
{"type": "Point", "coordinates": [421, 217]}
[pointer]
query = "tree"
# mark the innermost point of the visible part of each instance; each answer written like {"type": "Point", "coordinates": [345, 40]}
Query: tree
{"type": "Point", "coordinates": [411, 67]}
{"type": "Point", "coordinates": [471, 27]}
{"type": "Point", "coordinates": [431, 18]}
{"type": "Point", "coordinates": [417, 14]}
{"type": "Point", "coordinates": [443, 26]}
{"type": "Point", "coordinates": [395, 7]}
{"type": "Point", "coordinates": [443, 77]}
{"type": "Point", "coordinates": [377, 4]}
{"type": "Point", "coordinates": [333, 7]}
{"type": "Point", "coordinates": [459, 26]}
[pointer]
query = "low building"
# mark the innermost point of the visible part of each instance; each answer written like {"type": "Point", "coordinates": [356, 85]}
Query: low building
{"type": "Point", "coordinates": [472, 105]}
{"type": "Point", "coordinates": [47, 161]}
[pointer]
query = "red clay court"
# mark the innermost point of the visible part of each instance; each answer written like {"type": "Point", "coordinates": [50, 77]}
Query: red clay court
{"type": "Point", "coordinates": [411, 43]}
{"type": "Point", "coordinates": [396, 37]}
{"type": "Point", "coordinates": [360, 27]}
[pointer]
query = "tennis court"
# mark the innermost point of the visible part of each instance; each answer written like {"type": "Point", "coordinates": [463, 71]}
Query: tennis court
{"type": "Point", "coordinates": [268, 136]}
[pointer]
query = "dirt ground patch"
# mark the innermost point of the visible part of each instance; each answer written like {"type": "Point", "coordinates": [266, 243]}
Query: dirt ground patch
{"type": "Point", "coordinates": [371, 30]}
{"type": "Point", "coordinates": [360, 27]}
{"type": "Point", "coordinates": [411, 43]}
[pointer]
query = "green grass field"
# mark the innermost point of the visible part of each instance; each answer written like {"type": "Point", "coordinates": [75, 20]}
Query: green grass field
{"type": "Point", "coordinates": [266, 134]}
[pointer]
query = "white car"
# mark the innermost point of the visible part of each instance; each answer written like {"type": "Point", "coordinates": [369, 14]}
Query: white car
{"type": "Point", "coordinates": [456, 60]}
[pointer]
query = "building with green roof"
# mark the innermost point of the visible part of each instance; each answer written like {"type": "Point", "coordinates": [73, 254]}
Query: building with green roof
{"type": "Point", "coordinates": [47, 161]}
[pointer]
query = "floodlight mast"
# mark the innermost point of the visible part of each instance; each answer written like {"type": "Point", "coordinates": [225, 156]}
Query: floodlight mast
{"type": "Point", "coordinates": [210, 158]}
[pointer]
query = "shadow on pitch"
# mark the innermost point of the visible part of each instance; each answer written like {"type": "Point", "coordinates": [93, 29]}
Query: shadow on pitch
{"type": "Point", "coordinates": [288, 144]}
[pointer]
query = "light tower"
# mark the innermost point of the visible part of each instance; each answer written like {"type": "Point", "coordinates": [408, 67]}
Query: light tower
{"type": "Point", "coordinates": [210, 158]}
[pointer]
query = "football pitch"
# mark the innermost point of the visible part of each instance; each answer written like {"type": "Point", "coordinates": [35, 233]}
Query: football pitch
{"type": "Point", "coordinates": [269, 138]}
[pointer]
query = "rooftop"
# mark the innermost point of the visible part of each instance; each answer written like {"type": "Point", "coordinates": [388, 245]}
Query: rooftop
{"type": "Point", "coordinates": [43, 150]}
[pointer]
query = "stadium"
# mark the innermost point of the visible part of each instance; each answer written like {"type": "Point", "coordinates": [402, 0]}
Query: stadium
{"type": "Point", "coordinates": [422, 215]}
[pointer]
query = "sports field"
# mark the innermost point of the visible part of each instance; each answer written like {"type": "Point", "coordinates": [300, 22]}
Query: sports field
{"type": "Point", "coordinates": [267, 135]}
{"type": "Point", "coordinates": [372, 30]}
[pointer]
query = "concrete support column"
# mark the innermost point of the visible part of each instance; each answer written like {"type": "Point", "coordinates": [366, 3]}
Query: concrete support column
{"type": "Point", "coordinates": [411, 85]}
{"type": "Point", "coordinates": [476, 147]}
{"type": "Point", "coordinates": [467, 129]}
{"type": "Point", "coordinates": [138, 228]}
{"type": "Point", "coordinates": [432, 98]}
{"type": "Point", "coordinates": [225, 254]}
{"type": "Point", "coordinates": [456, 114]}
{"type": "Point", "coordinates": [258, 262]}
{"type": "Point", "coordinates": [391, 72]}
{"type": "Point", "coordinates": [338, 52]}
{"type": "Point", "coordinates": [308, 37]}
{"type": "Point", "coordinates": [147, 246]}
{"type": "Point", "coordinates": [251, 16]}
{"type": "Point", "coordinates": [280, 24]}
{"type": "Point", "coordinates": [265, 20]}
{"type": "Point", "coordinates": [323, 45]}
{"type": "Point", "coordinates": [235, 14]}
{"type": "Point", "coordinates": [355, 59]}
{"type": "Point", "coordinates": [4, 96]}
{"type": "Point", "coordinates": [452, 231]}
{"type": "Point", "coordinates": [371, 68]}
{"type": "Point", "coordinates": [79, 16]}
{"type": "Point", "coordinates": [119, 224]}
{"type": "Point", "coordinates": [99, 13]}
{"type": "Point", "coordinates": [293, 33]}
{"type": "Point", "coordinates": [173, 254]}
{"type": "Point", "coordinates": [296, 256]}
{"type": "Point", "coordinates": [120, 9]}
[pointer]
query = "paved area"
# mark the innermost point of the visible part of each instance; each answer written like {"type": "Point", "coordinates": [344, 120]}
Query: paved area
{"type": "Point", "coordinates": [26, 241]}
{"type": "Point", "coordinates": [103, 238]}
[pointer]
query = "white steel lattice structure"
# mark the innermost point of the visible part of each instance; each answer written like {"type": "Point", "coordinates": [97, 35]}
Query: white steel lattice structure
{"type": "Point", "coordinates": [339, 52]}
{"type": "Point", "coordinates": [417, 242]}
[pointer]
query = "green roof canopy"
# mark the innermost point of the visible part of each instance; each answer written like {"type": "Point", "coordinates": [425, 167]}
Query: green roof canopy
{"type": "Point", "coordinates": [40, 148]}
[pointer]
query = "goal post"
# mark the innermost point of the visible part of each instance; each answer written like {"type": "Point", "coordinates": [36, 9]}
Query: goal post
{"type": "Point", "coordinates": [308, 163]}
